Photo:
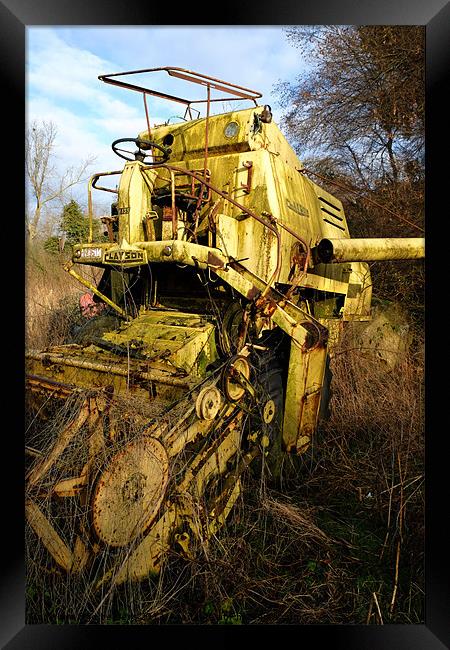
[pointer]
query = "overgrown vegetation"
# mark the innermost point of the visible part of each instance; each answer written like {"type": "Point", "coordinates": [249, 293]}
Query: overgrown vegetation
{"type": "Point", "coordinates": [51, 297]}
{"type": "Point", "coordinates": [339, 540]}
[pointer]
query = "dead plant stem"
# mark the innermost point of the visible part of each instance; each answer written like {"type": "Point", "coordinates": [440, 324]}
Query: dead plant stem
{"type": "Point", "coordinates": [378, 607]}
{"type": "Point", "coordinates": [394, 594]}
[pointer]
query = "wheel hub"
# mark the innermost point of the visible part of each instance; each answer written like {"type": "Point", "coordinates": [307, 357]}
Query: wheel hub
{"type": "Point", "coordinates": [269, 411]}
{"type": "Point", "coordinates": [129, 491]}
{"type": "Point", "coordinates": [208, 403]}
{"type": "Point", "coordinates": [237, 370]}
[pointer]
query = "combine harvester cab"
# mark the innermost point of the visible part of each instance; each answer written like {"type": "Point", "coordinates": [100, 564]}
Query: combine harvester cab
{"type": "Point", "coordinates": [227, 276]}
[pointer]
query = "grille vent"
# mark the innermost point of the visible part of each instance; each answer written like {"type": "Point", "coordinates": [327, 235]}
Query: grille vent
{"type": "Point", "coordinates": [331, 214]}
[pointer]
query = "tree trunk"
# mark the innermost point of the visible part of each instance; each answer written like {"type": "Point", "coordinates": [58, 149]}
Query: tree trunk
{"type": "Point", "coordinates": [33, 224]}
{"type": "Point", "coordinates": [392, 159]}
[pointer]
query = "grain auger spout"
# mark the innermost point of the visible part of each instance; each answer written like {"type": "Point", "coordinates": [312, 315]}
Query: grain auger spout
{"type": "Point", "coordinates": [212, 349]}
{"type": "Point", "coordinates": [369, 250]}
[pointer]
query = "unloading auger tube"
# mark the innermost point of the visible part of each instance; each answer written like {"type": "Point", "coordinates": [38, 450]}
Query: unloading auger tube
{"type": "Point", "coordinates": [369, 250]}
{"type": "Point", "coordinates": [227, 277]}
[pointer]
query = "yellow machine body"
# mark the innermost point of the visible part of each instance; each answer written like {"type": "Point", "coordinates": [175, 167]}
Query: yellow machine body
{"type": "Point", "coordinates": [215, 248]}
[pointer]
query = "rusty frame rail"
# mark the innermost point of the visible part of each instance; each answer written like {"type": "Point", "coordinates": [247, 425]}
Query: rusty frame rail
{"type": "Point", "coordinates": [270, 224]}
{"type": "Point", "coordinates": [203, 178]}
{"type": "Point", "coordinates": [237, 92]}
{"type": "Point", "coordinates": [92, 184]}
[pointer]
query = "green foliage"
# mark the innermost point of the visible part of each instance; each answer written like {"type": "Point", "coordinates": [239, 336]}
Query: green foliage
{"type": "Point", "coordinates": [228, 615]}
{"type": "Point", "coordinates": [222, 614]}
{"type": "Point", "coordinates": [75, 224]}
{"type": "Point", "coordinates": [122, 617]}
{"type": "Point", "coordinates": [51, 245]}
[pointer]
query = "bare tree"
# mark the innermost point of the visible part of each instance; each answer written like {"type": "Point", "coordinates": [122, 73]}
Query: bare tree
{"type": "Point", "coordinates": [358, 111]}
{"type": "Point", "coordinates": [356, 119]}
{"type": "Point", "coordinates": [45, 183]}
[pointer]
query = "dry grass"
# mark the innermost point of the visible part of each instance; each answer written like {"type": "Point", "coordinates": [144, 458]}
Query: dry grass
{"type": "Point", "coordinates": [51, 298]}
{"type": "Point", "coordinates": [369, 479]}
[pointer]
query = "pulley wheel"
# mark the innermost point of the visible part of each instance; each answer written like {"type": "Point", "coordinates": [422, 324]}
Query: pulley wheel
{"type": "Point", "coordinates": [208, 403]}
{"type": "Point", "coordinates": [231, 323]}
{"type": "Point", "coordinates": [130, 490]}
{"type": "Point", "coordinates": [232, 387]}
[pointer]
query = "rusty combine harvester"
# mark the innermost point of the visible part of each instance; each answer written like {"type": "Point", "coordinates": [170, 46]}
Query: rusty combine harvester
{"type": "Point", "coordinates": [227, 278]}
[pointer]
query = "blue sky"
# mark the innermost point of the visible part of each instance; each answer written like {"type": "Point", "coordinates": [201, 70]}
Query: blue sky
{"type": "Point", "coordinates": [63, 65]}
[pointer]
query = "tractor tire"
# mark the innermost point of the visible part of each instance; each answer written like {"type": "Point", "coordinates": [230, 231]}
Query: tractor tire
{"type": "Point", "coordinates": [270, 378]}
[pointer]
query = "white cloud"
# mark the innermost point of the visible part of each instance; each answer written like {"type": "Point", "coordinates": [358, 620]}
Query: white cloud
{"type": "Point", "coordinates": [63, 65]}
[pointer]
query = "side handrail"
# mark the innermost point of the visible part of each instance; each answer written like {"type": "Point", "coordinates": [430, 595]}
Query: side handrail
{"type": "Point", "coordinates": [271, 223]}
{"type": "Point", "coordinates": [92, 184]}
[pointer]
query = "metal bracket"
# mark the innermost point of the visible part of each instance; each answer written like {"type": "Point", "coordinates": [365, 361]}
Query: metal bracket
{"type": "Point", "coordinates": [248, 185]}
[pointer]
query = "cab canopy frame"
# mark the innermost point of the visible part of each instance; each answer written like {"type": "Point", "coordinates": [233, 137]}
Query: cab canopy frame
{"type": "Point", "coordinates": [232, 92]}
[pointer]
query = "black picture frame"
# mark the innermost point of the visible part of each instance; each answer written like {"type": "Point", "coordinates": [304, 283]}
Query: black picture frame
{"type": "Point", "coordinates": [15, 17]}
